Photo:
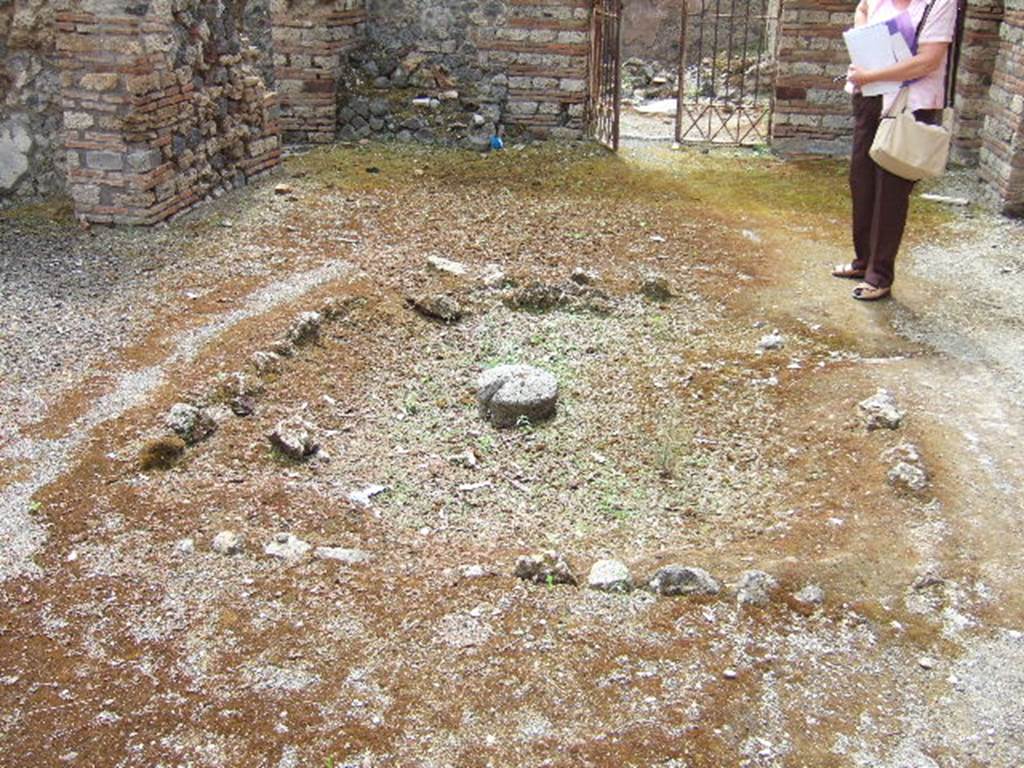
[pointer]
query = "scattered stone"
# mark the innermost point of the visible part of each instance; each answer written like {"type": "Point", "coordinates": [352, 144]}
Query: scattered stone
{"type": "Point", "coordinates": [729, 673]}
{"type": "Point", "coordinates": [342, 555]}
{"type": "Point", "coordinates": [811, 594]}
{"type": "Point", "coordinates": [295, 438]}
{"type": "Point", "coordinates": [907, 452]}
{"type": "Point", "coordinates": [538, 297]}
{"type": "Point", "coordinates": [287, 547]}
{"type": "Point", "coordinates": [437, 307]}
{"type": "Point", "coordinates": [447, 266]}
{"type": "Point", "coordinates": [509, 394]}
{"type": "Point", "coordinates": [610, 576]}
{"type": "Point", "coordinates": [755, 588]}
{"type": "Point", "coordinates": [162, 453]}
{"type": "Point", "coordinates": [656, 288]}
{"type": "Point", "coordinates": [305, 329]}
{"type": "Point", "coordinates": [494, 277]}
{"type": "Point", "coordinates": [185, 546]}
{"type": "Point", "coordinates": [582, 276]}
{"type": "Point", "coordinates": [908, 477]}
{"type": "Point", "coordinates": [466, 459]}
{"type": "Point", "coordinates": [266, 362]}
{"type": "Point", "coordinates": [770, 341]}
{"type": "Point", "coordinates": [284, 189]}
{"type": "Point", "coordinates": [190, 423]}
{"type": "Point", "coordinates": [881, 411]}
{"type": "Point", "coordinates": [239, 392]}
{"type": "Point", "coordinates": [675, 580]}
{"type": "Point", "coordinates": [227, 543]}
{"type": "Point", "coordinates": [470, 572]}
{"type": "Point", "coordinates": [927, 581]}
{"type": "Point", "coordinates": [282, 348]}
{"type": "Point", "coordinates": [364, 496]}
{"type": "Point", "coordinates": [545, 568]}
{"type": "Point", "coordinates": [926, 662]}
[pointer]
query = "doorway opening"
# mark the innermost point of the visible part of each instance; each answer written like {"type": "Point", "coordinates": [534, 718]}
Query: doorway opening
{"type": "Point", "coordinates": [702, 73]}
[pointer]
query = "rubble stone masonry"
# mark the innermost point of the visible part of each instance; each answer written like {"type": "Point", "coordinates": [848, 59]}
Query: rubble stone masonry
{"type": "Point", "coordinates": [142, 109]}
{"type": "Point", "coordinates": [162, 107]}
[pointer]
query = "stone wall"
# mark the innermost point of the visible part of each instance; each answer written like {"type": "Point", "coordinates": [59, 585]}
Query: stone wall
{"type": "Point", "coordinates": [974, 75]}
{"type": "Point", "coordinates": [30, 112]}
{"type": "Point", "coordinates": [812, 113]}
{"type": "Point", "coordinates": [1002, 148]}
{"type": "Point", "coordinates": [162, 107]}
{"type": "Point", "coordinates": [486, 64]}
{"type": "Point", "coordinates": [311, 41]}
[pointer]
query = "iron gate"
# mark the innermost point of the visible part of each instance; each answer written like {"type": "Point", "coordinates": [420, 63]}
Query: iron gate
{"type": "Point", "coordinates": [605, 72]}
{"type": "Point", "coordinates": [727, 71]}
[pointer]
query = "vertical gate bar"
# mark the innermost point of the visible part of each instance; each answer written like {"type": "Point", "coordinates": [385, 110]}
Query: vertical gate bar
{"type": "Point", "coordinates": [714, 66]}
{"type": "Point", "coordinates": [728, 55]}
{"type": "Point", "coordinates": [681, 79]}
{"type": "Point", "coordinates": [760, 52]}
{"type": "Point", "coordinates": [618, 73]}
{"type": "Point", "coordinates": [774, 53]}
{"type": "Point", "coordinates": [700, 49]}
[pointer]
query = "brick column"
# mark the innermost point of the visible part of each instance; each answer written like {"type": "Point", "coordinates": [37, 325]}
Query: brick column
{"type": "Point", "coordinates": [974, 77]}
{"type": "Point", "coordinates": [812, 112]}
{"type": "Point", "coordinates": [311, 37]}
{"type": "Point", "coordinates": [1002, 138]}
{"type": "Point", "coordinates": [160, 110]}
{"type": "Point", "coordinates": [542, 47]}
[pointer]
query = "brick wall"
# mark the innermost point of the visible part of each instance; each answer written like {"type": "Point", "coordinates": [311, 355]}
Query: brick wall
{"type": "Point", "coordinates": [542, 47]}
{"type": "Point", "coordinates": [1002, 138]}
{"type": "Point", "coordinates": [311, 39]}
{"type": "Point", "coordinates": [974, 76]}
{"type": "Point", "coordinates": [812, 113]}
{"type": "Point", "coordinates": [161, 109]}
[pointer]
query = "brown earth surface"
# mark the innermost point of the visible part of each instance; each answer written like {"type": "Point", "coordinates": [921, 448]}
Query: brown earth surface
{"type": "Point", "coordinates": [676, 441]}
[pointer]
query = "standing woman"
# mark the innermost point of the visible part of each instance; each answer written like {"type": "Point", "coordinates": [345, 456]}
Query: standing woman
{"type": "Point", "coordinates": [881, 199]}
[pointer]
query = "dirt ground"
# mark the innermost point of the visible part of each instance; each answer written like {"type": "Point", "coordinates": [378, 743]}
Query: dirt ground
{"type": "Point", "coordinates": [126, 640]}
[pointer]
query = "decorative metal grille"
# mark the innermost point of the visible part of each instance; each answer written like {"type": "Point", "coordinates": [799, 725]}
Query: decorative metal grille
{"type": "Point", "coordinates": [727, 71]}
{"type": "Point", "coordinates": [605, 72]}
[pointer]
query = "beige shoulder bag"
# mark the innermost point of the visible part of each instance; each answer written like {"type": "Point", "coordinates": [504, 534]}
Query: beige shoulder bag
{"type": "Point", "coordinates": [907, 148]}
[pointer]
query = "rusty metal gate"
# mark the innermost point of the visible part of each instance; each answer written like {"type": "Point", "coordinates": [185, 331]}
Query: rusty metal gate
{"type": "Point", "coordinates": [603, 106]}
{"type": "Point", "coordinates": [727, 66]}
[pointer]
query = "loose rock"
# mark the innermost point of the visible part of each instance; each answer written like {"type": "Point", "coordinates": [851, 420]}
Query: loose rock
{"type": "Point", "coordinates": [755, 588]}
{"type": "Point", "coordinates": [546, 568]}
{"type": "Point", "coordinates": [190, 423]}
{"type": "Point", "coordinates": [266, 362]}
{"type": "Point", "coordinates": [538, 297]}
{"type": "Point", "coordinates": [342, 555]}
{"type": "Point", "coordinates": [364, 496]}
{"type": "Point", "coordinates": [510, 394]}
{"type": "Point", "coordinates": [908, 477]}
{"type": "Point", "coordinates": [881, 411]}
{"type": "Point", "coordinates": [295, 438]}
{"type": "Point", "coordinates": [438, 307]}
{"type": "Point", "coordinates": [656, 288]}
{"type": "Point", "coordinates": [770, 341]}
{"type": "Point", "coordinates": [287, 547]}
{"type": "Point", "coordinates": [610, 576]}
{"type": "Point", "coordinates": [305, 329]}
{"type": "Point", "coordinates": [227, 543]}
{"type": "Point", "coordinates": [812, 594]}
{"type": "Point", "coordinates": [447, 266]}
{"type": "Point", "coordinates": [675, 580]}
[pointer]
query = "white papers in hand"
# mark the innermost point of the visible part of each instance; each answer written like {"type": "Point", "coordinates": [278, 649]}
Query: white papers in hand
{"type": "Point", "coordinates": [873, 47]}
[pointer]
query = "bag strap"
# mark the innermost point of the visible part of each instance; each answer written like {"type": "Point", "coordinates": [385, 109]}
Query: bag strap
{"type": "Point", "coordinates": [953, 58]}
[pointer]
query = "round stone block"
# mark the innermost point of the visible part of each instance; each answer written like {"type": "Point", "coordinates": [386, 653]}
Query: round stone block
{"type": "Point", "coordinates": [509, 394]}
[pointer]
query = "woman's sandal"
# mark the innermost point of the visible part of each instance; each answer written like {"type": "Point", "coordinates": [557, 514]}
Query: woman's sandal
{"type": "Point", "coordinates": [868, 292]}
{"type": "Point", "coordinates": [848, 272]}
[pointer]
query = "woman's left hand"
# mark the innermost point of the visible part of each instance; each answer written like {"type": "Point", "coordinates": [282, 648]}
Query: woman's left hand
{"type": "Point", "coordinates": [859, 76]}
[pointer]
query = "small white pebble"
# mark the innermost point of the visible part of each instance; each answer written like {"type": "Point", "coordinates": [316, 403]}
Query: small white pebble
{"type": "Point", "coordinates": [729, 674]}
{"type": "Point", "coordinates": [926, 662]}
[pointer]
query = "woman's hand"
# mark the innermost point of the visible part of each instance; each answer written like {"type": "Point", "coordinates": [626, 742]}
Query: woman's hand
{"type": "Point", "coordinates": [860, 77]}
